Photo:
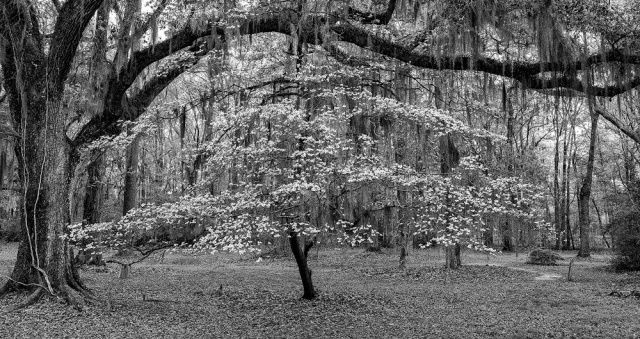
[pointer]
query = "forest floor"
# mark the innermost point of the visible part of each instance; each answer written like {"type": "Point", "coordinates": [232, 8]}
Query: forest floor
{"type": "Point", "coordinates": [361, 295]}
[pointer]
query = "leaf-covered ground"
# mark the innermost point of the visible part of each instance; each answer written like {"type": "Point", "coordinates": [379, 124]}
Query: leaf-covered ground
{"type": "Point", "coordinates": [362, 295]}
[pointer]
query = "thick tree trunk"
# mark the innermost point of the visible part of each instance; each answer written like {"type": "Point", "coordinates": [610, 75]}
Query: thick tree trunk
{"type": "Point", "coordinates": [585, 192]}
{"type": "Point", "coordinates": [44, 259]}
{"type": "Point", "coordinates": [452, 254]}
{"type": "Point", "coordinates": [34, 78]}
{"type": "Point", "coordinates": [301, 260]}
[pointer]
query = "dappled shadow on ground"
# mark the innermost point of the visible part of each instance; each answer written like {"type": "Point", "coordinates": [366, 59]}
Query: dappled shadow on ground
{"type": "Point", "coordinates": [360, 296]}
{"type": "Point", "coordinates": [474, 273]}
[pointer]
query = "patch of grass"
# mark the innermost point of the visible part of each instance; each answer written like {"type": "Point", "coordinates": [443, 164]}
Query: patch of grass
{"type": "Point", "coordinates": [362, 295]}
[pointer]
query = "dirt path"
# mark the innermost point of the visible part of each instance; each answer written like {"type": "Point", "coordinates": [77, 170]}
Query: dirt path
{"type": "Point", "coordinates": [542, 275]}
{"type": "Point", "coordinates": [583, 269]}
{"type": "Point", "coordinates": [8, 251]}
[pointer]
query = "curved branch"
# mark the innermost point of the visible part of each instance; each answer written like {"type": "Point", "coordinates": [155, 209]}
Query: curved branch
{"type": "Point", "coordinates": [131, 108]}
{"type": "Point", "coordinates": [578, 86]}
{"type": "Point", "coordinates": [528, 73]}
{"type": "Point", "coordinates": [143, 98]}
{"type": "Point", "coordinates": [278, 22]}
{"type": "Point", "coordinates": [73, 19]}
{"type": "Point", "coordinates": [144, 254]}
{"type": "Point", "coordinates": [140, 60]}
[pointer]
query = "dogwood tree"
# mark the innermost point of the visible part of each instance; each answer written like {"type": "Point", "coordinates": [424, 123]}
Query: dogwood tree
{"type": "Point", "coordinates": [293, 169]}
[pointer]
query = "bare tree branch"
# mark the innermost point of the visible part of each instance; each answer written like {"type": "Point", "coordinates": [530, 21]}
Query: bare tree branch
{"type": "Point", "coordinates": [635, 136]}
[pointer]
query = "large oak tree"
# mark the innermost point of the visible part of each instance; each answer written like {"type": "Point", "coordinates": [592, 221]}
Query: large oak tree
{"type": "Point", "coordinates": [35, 69]}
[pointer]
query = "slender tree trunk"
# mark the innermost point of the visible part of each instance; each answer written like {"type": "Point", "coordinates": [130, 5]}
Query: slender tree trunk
{"type": "Point", "coordinates": [488, 233]}
{"type": "Point", "coordinates": [449, 159]}
{"type": "Point", "coordinates": [557, 205]}
{"type": "Point", "coordinates": [585, 192]}
{"type": "Point", "coordinates": [571, 164]}
{"type": "Point", "coordinates": [93, 193]}
{"type": "Point", "coordinates": [507, 230]}
{"type": "Point", "coordinates": [601, 227]}
{"type": "Point", "coordinates": [92, 209]}
{"type": "Point", "coordinates": [564, 197]}
{"type": "Point", "coordinates": [567, 206]}
{"type": "Point", "coordinates": [130, 199]}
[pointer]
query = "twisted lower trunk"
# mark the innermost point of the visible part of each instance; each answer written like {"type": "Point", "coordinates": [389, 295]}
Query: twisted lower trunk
{"type": "Point", "coordinates": [44, 260]}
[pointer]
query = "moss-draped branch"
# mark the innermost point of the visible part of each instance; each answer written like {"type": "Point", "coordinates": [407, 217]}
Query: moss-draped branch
{"type": "Point", "coordinates": [325, 29]}
{"type": "Point", "coordinates": [534, 75]}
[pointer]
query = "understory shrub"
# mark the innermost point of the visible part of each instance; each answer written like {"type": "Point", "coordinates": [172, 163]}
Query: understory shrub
{"type": "Point", "coordinates": [625, 230]}
{"type": "Point", "coordinates": [543, 257]}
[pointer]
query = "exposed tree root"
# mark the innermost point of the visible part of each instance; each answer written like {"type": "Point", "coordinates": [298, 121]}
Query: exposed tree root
{"type": "Point", "coordinates": [31, 299]}
{"type": "Point", "coordinates": [67, 288]}
{"type": "Point", "coordinates": [87, 294]}
{"type": "Point", "coordinates": [4, 290]}
{"type": "Point", "coordinates": [74, 282]}
{"type": "Point", "coordinates": [76, 299]}
{"type": "Point", "coordinates": [16, 286]}
{"type": "Point", "coordinates": [73, 294]}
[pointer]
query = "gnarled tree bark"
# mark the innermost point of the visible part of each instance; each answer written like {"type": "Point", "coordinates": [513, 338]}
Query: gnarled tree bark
{"type": "Point", "coordinates": [44, 261]}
